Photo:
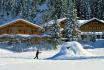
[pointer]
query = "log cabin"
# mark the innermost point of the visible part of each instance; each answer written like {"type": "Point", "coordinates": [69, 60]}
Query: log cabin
{"type": "Point", "coordinates": [20, 26]}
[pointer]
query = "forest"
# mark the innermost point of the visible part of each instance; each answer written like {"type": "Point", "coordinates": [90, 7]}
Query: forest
{"type": "Point", "coordinates": [41, 11]}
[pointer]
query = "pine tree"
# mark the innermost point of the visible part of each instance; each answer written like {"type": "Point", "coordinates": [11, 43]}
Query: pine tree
{"type": "Point", "coordinates": [25, 9]}
{"type": "Point", "coordinates": [55, 32]}
{"type": "Point", "coordinates": [100, 9]}
{"type": "Point", "coordinates": [84, 9]}
{"type": "Point", "coordinates": [70, 29]}
{"type": "Point", "coordinates": [55, 5]}
{"type": "Point", "coordinates": [90, 8]}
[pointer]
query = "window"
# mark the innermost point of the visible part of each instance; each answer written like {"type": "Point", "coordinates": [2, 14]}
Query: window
{"type": "Point", "coordinates": [35, 30]}
{"type": "Point", "coordinates": [19, 30]}
{"type": "Point", "coordinates": [98, 36]}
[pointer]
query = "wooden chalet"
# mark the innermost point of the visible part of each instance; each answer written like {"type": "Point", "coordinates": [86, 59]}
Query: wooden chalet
{"type": "Point", "coordinates": [93, 25]}
{"type": "Point", "coordinates": [86, 27]}
{"type": "Point", "coordinates": [20, 26]}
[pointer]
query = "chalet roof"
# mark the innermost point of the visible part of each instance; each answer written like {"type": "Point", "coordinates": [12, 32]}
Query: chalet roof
{"type": "Point", "coordinates": [19, 20]}
{"type": "Point", "coordinates": [81, 22]}
{"type": "Point", "coordinates": [52, 22]}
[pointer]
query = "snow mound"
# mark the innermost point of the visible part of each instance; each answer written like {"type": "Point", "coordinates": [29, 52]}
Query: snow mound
{"type": "Point", "coordinates": [71, 49]}
{"type": "Point", "coordinates": [4, 51]}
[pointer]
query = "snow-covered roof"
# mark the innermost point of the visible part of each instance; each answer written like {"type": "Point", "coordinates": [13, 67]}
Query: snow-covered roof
{"type": "Point", "coordinates": [81, 22]}
{"type": "Point", "coordinates": [52, 22]}
{"type": "Point", "coordinates": [60, 20]}
{"type": "Point", "coordinates": [19, 20]}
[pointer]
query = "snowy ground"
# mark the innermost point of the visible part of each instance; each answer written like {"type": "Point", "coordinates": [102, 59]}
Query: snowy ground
{"type": "Point", "coordinates": [25, 64]}
{"type": "Point", "coordinates": [25, 61]}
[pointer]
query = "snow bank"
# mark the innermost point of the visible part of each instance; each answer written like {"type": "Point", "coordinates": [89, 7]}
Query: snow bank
{"type": "Point", "coordinates": [4, 51]}
{"type": "Point", "coordinates": [71, 49]}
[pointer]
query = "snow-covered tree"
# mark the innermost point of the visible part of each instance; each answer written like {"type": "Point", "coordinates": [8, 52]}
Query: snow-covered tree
{"type": "Point", "coordinates": [70, 29]}
{"type": "Point", "coordinates": [98, 8]}
{"type": "Point", "coordinates": [26, 9]}
{"type": "Point", "coordinates": [90, 8]}
{"type": "Point", "coordinates": [29, 9]}
{"type": "Point", "coordinates": [84, 9]}
{"type": "Point", "coordinates": [55, 32]}
{"type": "Point", "coordinates": [56, 8]}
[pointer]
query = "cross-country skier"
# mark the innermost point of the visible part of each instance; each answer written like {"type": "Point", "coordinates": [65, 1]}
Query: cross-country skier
{"type": "Point", "coordinates": [37, 54]}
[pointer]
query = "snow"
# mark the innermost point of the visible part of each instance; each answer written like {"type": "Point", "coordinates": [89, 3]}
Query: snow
{"type": "Point", "coordinates": [60, 20]}
{"type": "Point", "coordinates": [2, 51]}
{"type": "Point", "coordinates": [82, 21]}
{"type": "Point", "coordinates": [47, 54]}
{"type": "Point", "coordinates": [18, 64]}
{"type": "Point", "coordinates": [23, 35]}
{"type": "Point", "coordinates": [15, 35]}
{"type": "Point", "coordinates": [71, 49]}
{"type": "Point", "coordinates": [25, 61]}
